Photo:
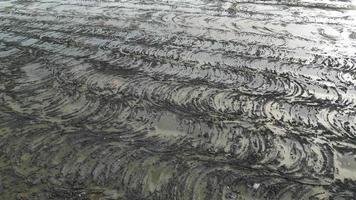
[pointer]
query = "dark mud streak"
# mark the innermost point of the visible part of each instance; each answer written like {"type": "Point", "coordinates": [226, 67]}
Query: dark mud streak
{"type": "Point", "coordinates": [177, 100]}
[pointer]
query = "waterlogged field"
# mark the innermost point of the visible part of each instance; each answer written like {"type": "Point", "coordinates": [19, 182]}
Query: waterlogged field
{"type": "Point", "coordinates": [177, 99]}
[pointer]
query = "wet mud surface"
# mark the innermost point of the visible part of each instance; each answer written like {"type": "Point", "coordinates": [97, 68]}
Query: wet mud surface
{"type": "Point", "coordinates": [177, 99]}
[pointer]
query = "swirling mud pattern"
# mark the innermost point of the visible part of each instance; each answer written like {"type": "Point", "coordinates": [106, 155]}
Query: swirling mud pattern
{"type": "Point", "coordinates": [177, 99]}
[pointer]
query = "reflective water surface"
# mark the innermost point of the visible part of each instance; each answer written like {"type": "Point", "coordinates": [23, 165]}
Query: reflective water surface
{"type": "Point", "coordinates": [177, 99]}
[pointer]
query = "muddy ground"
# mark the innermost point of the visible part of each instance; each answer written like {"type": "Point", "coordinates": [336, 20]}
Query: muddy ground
{"type": "Point", "coordinates": [177, 99]}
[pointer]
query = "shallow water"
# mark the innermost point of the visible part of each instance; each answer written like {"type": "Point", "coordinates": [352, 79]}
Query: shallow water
{"type": "Point", "coordinates": [177, 99]}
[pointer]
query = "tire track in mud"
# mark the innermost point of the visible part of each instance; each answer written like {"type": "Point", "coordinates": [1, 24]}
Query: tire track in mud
{"type": "Point", "coordinates": [177, 100]}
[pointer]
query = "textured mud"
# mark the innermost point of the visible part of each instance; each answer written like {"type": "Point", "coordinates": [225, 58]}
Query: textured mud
{"type": "Point", "coordinates": [177, 99]}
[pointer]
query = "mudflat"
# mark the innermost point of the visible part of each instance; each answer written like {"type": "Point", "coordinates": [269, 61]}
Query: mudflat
{"type": "Point", "coordinates": [177, 99]}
